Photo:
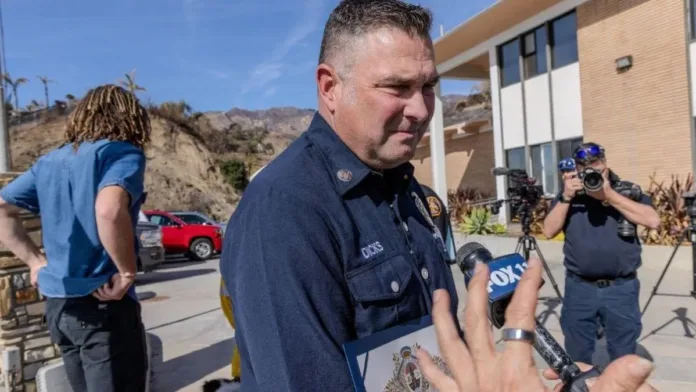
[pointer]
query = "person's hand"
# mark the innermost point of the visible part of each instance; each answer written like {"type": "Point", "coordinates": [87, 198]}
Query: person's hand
{"type": "Point", "coordinates": [115, 289]}
{"type": "Point", "coordinates": [34, 268]}
{"type": "Point", "coordinates": [571, 185]}
{"type": "Point", "coordinates": [476, 366]}
{"type": "Point", "coordinates": [606, 187]}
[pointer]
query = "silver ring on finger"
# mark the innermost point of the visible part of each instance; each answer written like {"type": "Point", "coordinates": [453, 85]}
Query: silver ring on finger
{"type": "Point", "coordinates": [518, 334]}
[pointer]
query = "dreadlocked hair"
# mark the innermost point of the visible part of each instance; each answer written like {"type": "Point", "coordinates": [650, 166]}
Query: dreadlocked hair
{"type": "Point", "coordinates": [109, 112]}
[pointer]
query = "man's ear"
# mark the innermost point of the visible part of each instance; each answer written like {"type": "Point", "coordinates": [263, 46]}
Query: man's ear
{"type": "Point", "coordinates": [328, 85]}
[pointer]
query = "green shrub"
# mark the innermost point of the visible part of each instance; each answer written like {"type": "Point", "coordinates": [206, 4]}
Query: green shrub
{"type": "Point", "coordinates": [461, 201]}
{"type": "Point", "coordinates": [478, 222]}
{"type": "Point", "coordinates": [235, 173]}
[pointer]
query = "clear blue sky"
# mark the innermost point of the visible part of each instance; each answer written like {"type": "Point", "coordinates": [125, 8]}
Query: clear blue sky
{"type": "Point", "coordinates": [215, 54]}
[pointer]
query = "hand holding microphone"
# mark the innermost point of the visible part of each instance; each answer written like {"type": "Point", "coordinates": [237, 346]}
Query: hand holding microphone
{"type": "Point", "coordinates": [477, 367]}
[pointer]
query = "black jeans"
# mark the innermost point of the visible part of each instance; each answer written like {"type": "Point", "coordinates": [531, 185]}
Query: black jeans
{"type": "Point", "coordinates": [102, 343]}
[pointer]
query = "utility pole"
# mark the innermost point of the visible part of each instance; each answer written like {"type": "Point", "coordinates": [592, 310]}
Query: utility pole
{"type": "Point", "coordinates": [4, 129]}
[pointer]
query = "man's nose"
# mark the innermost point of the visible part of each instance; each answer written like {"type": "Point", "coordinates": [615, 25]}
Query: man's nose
{"type": "Point", "coordinates": [417, 108]}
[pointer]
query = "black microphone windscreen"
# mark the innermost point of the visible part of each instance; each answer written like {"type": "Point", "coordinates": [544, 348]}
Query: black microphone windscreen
{"type": "Point", "coordinates": [500, 171]}
{"type": "Point", "coordinates": [469, 253]}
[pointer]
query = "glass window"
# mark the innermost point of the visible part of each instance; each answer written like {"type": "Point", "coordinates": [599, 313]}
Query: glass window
{"type": "Point", "coordinates": [192, 219]}
{"type": "Point", "coordinates": [509, 55]}
{"type": "Point", "coordinates": [564, 40]}
{"type": "Point", "coordinates": [692, 4]}
{"type": "Point", "coordinates": [161, 220]}
{"type": "Point", "coordinates": [529, 44]}
{"type": "Point", "coordinates": [543, 166]}
{"type": "Point", "coordinates": [566, 147]}
{"type": "Point", "coordinates": [535, 53]}
{"type": "Point", "coordinates": [515, 158]}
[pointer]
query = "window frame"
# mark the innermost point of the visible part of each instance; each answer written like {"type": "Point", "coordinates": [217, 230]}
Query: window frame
{"type": "Point", "coordinates": [538, 54]}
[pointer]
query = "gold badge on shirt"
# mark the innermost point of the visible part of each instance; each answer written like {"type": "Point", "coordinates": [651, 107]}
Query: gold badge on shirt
{"type": "Point", "coordinates": [434, 206]}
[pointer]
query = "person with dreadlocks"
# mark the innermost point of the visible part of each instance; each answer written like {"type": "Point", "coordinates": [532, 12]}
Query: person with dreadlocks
{"type": "Point", "coordinates": [88, 193]}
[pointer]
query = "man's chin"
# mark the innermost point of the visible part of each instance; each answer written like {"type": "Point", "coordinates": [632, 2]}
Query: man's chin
{"type": "Point", "coordinates": [400, 157]}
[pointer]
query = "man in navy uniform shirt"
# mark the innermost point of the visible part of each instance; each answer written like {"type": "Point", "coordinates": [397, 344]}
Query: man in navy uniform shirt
{"type": "Point", "coordinates": [332, 241]}
{"type": "Point", "coordinates": [601, 279]}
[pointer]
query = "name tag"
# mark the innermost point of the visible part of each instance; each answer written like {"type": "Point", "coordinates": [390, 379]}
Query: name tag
{"type": "Point", "coordinates": [371, 250]}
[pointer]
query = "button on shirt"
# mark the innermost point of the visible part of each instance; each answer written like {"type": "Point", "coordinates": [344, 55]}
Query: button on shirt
{"type": "Point", "coordinates": [62, 187]}
{"type": "Point", "coordinates": [321, 251]}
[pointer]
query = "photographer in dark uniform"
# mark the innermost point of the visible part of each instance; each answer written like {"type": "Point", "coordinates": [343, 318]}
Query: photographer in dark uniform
{"type": "Point", "coordinates": [598, 214]}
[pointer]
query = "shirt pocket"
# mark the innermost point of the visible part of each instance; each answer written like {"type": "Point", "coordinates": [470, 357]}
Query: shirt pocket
{"type": "Point", "coordinates": [385, 293]}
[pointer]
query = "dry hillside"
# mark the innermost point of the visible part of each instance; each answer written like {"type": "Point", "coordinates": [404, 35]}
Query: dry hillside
{"type": "Point", "coordinates": [182, 173]}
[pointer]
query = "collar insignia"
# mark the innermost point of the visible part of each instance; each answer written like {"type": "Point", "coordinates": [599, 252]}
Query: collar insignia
{"type": "Point", "coordinates": [344, 175]}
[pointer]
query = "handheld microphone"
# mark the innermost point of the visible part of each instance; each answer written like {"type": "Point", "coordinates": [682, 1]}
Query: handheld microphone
{"type": "Point", "coordinates": [505, 272]}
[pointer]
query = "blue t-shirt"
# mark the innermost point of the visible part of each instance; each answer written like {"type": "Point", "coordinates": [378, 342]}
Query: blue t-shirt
{"type": "Point", "coordinates": [62, 187]}
{"type": "Point", "coordinates": [593, 248]}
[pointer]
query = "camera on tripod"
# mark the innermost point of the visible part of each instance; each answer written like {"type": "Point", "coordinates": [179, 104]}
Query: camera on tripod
{"type": "Point", "coordinates": [524, 193]}
{"type": "Point", "coordinates": [593, 181]}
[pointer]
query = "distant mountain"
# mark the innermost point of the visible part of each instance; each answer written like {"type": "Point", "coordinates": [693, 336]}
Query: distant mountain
{"type": "Point", "coordinates": [289, 122]}
{"type": "Point", "coordinates": [281, 121]}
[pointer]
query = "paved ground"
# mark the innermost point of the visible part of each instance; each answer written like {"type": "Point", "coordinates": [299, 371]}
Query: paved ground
{"type": "Point", "coordinates": [189, 334]}
{"type": "Point", "coordinates": [192, 341]}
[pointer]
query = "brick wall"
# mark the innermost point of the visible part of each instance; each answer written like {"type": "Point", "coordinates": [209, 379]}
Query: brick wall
{"type": "Point", "coordinates": [22, 310]}
{"type": "Point", "coordinates": [641, 116]}
{"type": "Point", "coordinates": [468, 159]}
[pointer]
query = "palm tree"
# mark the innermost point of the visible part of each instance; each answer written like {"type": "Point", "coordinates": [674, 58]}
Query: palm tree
{"type": "Point", "coordinates": [130, 84]}
{"type": "Point", "coordinates": [45, 80]}
{"type": "Point", "coordinates": [33, 105]}
{"type": "Point", "coordinates": [15, 83]}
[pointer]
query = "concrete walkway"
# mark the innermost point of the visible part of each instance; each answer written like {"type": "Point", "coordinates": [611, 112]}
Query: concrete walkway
{"type": "Point", "coordinates": [669, 332]}
{"type": "Point", "coordinates": [190, 338]}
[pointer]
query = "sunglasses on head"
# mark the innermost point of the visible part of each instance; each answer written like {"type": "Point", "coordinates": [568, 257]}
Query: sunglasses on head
{"type": "Point", "coordinates": [588, 154]}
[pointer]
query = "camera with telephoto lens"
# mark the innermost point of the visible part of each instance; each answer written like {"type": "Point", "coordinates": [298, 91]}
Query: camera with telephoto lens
{"type": "Point", "coordinates": [591, 179]}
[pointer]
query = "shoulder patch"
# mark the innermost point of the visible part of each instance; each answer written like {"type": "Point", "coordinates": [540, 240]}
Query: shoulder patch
{"type": "Point", "coordinates": [434, 206]}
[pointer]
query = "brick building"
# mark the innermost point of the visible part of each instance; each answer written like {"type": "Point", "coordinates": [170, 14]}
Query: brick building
{"type": "Point", "coordinates": [562, 71]}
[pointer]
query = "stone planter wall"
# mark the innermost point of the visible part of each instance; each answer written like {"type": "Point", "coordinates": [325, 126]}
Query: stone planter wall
{"type": "Point", "coordinates": [22, 323]}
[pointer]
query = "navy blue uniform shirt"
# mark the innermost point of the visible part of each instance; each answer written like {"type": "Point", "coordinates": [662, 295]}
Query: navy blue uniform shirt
{"type": "Point", "coordinates": [321, 251]}
{"type": "Point", "coordinates": [593, 248]}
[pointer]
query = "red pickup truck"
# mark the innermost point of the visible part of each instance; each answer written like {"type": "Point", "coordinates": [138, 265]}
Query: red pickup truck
{"type": "Point", "coordinates": [200, 242]}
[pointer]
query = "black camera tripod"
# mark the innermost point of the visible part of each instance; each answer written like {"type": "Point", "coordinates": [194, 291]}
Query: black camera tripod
{"type": "Point", "coordinates": [689, 232]}
{"type": "Point", "coordinates": [527, 243]}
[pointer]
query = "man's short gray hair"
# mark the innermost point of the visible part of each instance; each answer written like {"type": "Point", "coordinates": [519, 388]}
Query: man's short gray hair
{"type": "Point", "coordinates": [352, 19]}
